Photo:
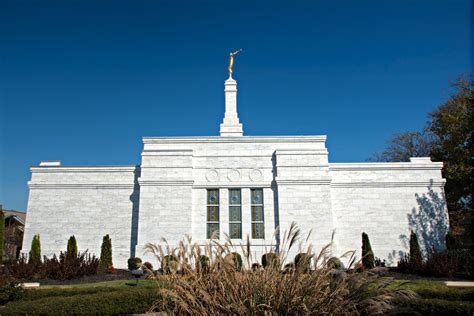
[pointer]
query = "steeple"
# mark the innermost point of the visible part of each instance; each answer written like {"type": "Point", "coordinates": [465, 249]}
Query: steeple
{"type": "Point", "coordinates": [231, 126]}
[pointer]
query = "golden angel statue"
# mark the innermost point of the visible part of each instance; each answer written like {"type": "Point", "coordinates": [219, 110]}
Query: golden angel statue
{"type": "Point", "coordinates": [231, 61]}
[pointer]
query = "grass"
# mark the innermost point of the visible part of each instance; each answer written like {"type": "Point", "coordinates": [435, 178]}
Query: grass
{"type": "Point", "coordinates": [104, 284]}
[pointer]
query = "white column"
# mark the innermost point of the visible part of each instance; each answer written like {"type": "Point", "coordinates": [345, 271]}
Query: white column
{"type": "Point", "coordinates": [231, 126]}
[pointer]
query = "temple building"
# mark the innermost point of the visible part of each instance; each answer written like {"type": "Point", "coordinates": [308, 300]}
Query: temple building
{"type": "Point", "coordinates": [236, 185]}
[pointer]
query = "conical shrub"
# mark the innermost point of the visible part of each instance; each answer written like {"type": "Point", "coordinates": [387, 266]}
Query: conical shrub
{"type": "Point", "coordinates": [106, 253]}
{"type": "Point", "coordinates": [71, 247]}
{"type": "Point", "coordinates": [415, 252]}
{"type": "Point", "coordinates": [35, 252]}
{"type": "Point", "coordinates": [368, 259]}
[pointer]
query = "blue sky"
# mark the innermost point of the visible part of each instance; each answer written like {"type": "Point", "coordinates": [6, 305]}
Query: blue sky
{"type": "Point", "coordinates": [83, 81]}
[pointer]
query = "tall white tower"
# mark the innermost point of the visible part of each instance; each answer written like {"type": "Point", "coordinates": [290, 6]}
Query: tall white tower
{"type": "Point", "coordinates": [231, 127]}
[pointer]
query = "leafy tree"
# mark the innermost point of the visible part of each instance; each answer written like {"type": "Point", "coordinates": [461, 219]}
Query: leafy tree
{"type": "Point", "coordinates": [447, 137]}
{"type": "Point", "coordinates": [35, 252]}
{"type": "Point", "coordinates": [453, 125]}
{"type": "Point", "coordinates": [106, 253]}
{"type": "Point", "coordinates": [415, 252]}
{"type": "Point", "coordinates": [72, 247]}
{"type": "Point", "coordinates": [2, 233]}
{"type": "Point", "coordinates": [368, 259]}
{"type": "Point", "coordinates": [402, 146]}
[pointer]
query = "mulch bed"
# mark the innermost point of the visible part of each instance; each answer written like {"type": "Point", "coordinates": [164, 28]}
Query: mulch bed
{"type": "Point", "coordinates": [100, 277]}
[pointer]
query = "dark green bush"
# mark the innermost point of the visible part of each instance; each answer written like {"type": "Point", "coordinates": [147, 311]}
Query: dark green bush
{"type": "Point", "coordinates": [71, 247]}
{"type": "Point", "coordinates": [35, 252]}
{"type": "Point", "coordinates": [133, 300]}
{"type": "Point", "coordinates": [335, 263]}
{"type": "Point", "coordinates": [106, 253]}
{"type": "Point", "coordinates": [203, 264]}
{"type": "Point", "coordinates": [170, 264]}
{"type": "Point", "coordinates": [134, 263]}
{"type": "Point", "coordinates": [237, 261]}
{"type": "Point", "coordinates": [10, 291]}
{"type": "Point", "coordinates": [270, 259]}
{"type": "Point", "coordinates": [368, 259]}
{"type": "Point", "coordinates": [303, 261]}
{"type": "Point", "coordinates": [433, 306]}
{"type": "Point", "coordinates": [415, 253]}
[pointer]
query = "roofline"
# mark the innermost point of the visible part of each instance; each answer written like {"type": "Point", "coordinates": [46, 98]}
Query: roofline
{"type": "Point", "coordinates": [234, 139]}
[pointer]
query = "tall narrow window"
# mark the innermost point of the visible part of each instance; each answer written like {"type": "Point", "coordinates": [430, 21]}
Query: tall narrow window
{"type": "Point", "coordinates": [258, 230]}
{"type": "Point", "coordinates": [235, 214]}
{"type": "Point", "coordinates": [212, 213]}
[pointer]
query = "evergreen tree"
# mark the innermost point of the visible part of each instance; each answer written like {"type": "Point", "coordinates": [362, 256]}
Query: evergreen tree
{"type": "Point", "coordinates": [415, 252]}
{"type": "Point", "coordinates": [368, 259]}
{"type": "Point", "coordinates": [35, 252]}
{"type": "Point", "coordinates": [106, 253]}
{"type": "Point", "coordinates": [72, 247]}
{"type": "Point", "coordinates": [2, 233]}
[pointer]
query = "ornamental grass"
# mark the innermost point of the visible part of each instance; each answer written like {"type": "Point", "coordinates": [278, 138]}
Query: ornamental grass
{"type": "Point", "coordinates": [216, 286]}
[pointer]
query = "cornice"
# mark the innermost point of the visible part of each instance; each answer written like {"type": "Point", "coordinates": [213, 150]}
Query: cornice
{"type": "Point", "coordinates": [234, 139]}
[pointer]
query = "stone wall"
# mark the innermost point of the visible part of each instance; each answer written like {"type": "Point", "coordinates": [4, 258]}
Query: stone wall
{"type": "Point", "coordinates": [387, 200]}
{"type": "Point", "coordinates": [88, 202]}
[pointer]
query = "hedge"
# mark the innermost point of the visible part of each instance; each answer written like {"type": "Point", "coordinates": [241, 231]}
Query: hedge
{"type": "Point", "coordinates": [434, 306]}
{"type": "Point", "coordinates": [134, 300]}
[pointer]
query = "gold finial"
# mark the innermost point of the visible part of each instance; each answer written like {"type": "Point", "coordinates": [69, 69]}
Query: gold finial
{"type": "Point", "coordinates": [231, 61]}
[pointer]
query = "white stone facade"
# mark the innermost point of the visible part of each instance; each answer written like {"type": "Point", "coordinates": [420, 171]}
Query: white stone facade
{"type": "Point", "coordinates": [166, 196]}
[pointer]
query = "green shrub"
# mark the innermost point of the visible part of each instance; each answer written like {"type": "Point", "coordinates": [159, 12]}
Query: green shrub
{"type": "Point", "coordinates": [270, 259]}
{"type": "Point", "coordinates": [133, 300]}
{"type": "Point", "coordinates": [335, 263]}
{"type": "Point", "coordinates": [134, 263]}
{"type": "Point", "coordinates": [368, 259]}
{"type": "Point", "coordinates": [72, 247]}
{"type": "Point", "coordinates": [170, 264]}
{"type": "Point", "coordinates": [203, 264]}
{"type": "Point", "coordinates": [415, 253]}
{"type": "Point", "coordinates": [106, 253]}
{"type": "Point", "coordinates": [35, 252]}
{"type": "Point", "coordinates": [2, 234]}
{"type": "Point", "coordinates": [237, 261]}
{"type": "Point", "coordinates": [10, 291]}
{"type": "Point", "coordinates": [303, 261]}
{"type": "Point", "coordinates": [432, 306]}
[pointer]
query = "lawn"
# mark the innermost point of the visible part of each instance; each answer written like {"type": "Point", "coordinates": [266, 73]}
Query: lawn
{"type": "Point", "coordinates": [120, 296]}
{"type": "Point", "coordinates": [105, 284]}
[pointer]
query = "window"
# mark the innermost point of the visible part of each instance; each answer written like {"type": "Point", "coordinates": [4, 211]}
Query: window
{"type": "Point", "coordinates": [235, 214]}
{"type": "Point", "coordinates": [256, 200]}
{"type": "Point", "coordinates": [212, 213]}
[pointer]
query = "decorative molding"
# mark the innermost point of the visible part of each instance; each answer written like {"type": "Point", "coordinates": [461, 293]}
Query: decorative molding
{"type": "Point", "coordinates": [85, 169]}
{"type": "Point", "coordinates": [38, 185]}
{"type": "Point", "coordinates": [232, 185]}
{"type": "Point", "coordinates": [212, 175]}
{"type": "Point", "coordinates": [235, 139]}
{"type": "Point", "coordinates": [165, 182]}
{"type": "Point", "coordinates": [388, 184]}
{"type": "Point", "coordinates": [298, 152]}
{"type": "Point", "coordinates": [371, 166]}
{"type": "Point", "coordinates": [234, 175]}
{"type": "Point", "coordinates": [255, 175]}
{"type": "Point", "coordinates": [319, 181]}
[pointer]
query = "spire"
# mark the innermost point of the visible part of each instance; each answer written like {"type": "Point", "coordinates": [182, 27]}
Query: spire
{"type": "Point", "coordinates": [231, 126]}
